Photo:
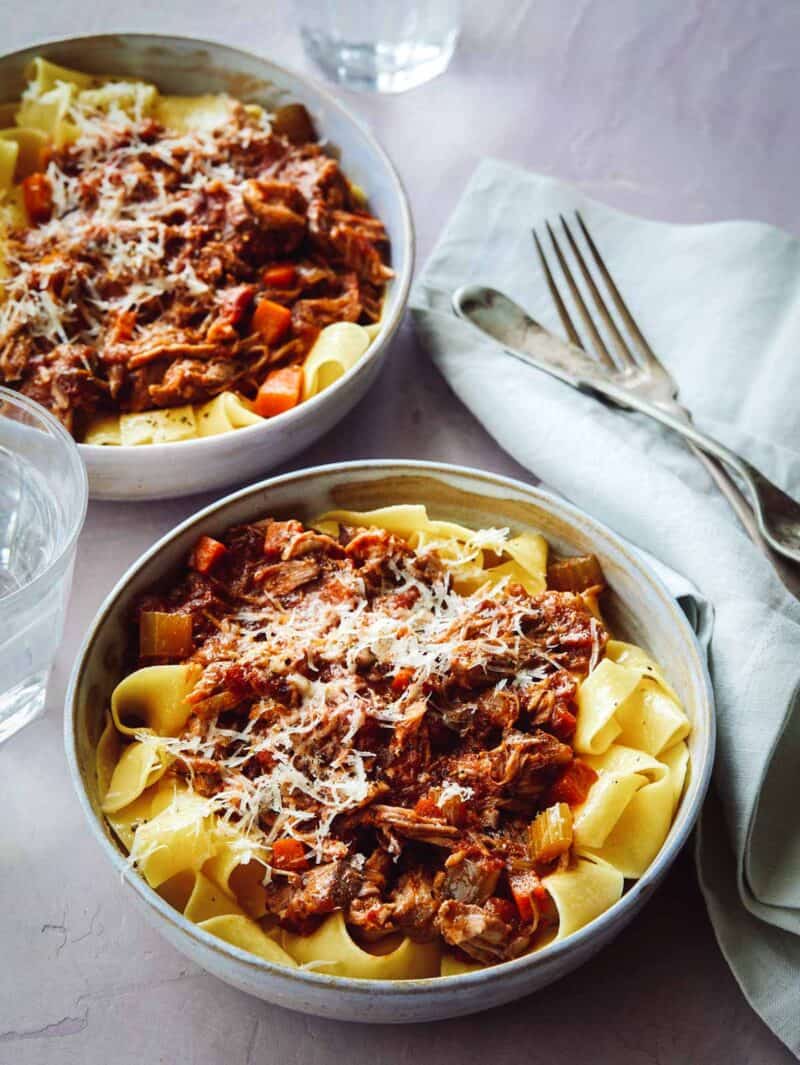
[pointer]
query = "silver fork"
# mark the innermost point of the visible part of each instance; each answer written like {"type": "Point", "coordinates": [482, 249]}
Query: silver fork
{"type": "Point", "coordinates": [635, 380]}
{"type": "Point", "coordinates": [648, 376]}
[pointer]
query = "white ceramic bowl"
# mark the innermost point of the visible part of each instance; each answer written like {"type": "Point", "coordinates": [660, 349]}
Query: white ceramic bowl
{"type": "Point", "coordinates": [187, 66]}
{"type": "Point", "coordinates": [638, 607]}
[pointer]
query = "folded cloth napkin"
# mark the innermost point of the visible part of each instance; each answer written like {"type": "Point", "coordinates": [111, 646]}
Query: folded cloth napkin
{"type": "Point", "coordinates": [721, 305]}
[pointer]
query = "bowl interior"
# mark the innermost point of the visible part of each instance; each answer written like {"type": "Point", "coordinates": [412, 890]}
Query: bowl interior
{"type": "Point", "coordinates": [638, 607]}
{"type": "Point", "coordinates": [185, 66]}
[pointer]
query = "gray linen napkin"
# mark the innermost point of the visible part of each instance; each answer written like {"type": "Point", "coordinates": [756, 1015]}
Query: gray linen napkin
{"type": "Point", "coordinates": [721, 305]}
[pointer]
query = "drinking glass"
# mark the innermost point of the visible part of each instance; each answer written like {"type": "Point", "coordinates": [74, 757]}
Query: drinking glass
{"type": "Point", "coordinates": [43, 494]}
{"type": "Point", "coordinates": [388, 45]}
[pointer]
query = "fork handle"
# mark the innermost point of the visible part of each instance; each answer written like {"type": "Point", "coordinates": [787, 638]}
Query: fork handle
{"type": "Point", "coordinates": [788, 573]}
{"type": "Point", "coordinates": [496, 315]}
{"type": "Point", "coordinates": [784, 510]}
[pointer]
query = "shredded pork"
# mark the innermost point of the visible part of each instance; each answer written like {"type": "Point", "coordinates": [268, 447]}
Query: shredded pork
{"type": "Point", "coordinates": [404, 735]}
{"type": "Point", "coordinates": [139, 290]}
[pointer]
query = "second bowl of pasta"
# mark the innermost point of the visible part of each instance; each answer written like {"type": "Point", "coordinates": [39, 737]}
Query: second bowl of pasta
{"type": "Point", "coordinates": [204, 257]}
{"type": "Point", "coordinates": [394, 741]}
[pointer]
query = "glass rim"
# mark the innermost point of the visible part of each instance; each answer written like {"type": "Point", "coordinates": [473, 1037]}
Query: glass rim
{"type": "Point", "coordinates": [81, 484]}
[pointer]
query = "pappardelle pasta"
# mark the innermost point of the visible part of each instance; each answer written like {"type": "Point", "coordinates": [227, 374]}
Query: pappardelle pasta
{"type": "Point", "coordinates": [175, 267]}
{"type": "Point", "coordinates": [388, 747]}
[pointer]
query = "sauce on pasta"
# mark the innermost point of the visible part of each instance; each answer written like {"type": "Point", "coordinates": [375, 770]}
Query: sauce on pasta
{"type": "Point", "coordinates": [161, 251]}
{"type": "Point", "coordinates": [388, 746]}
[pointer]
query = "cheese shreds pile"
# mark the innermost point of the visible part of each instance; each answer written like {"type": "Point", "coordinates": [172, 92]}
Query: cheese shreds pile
{"type": "Point", "coordinates": [314, 770]}
{"type": "Point", "coordinates": [123, 220]}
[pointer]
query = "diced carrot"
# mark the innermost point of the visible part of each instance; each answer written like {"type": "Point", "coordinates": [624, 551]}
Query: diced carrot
{"type": "Point", "coordinates": [573, 785]}
{"type": "Point", "coordinates": [280, 391]}
{"type": "Point", "coordinates": [163, 635]}
{"type": "Point", "coordinates": [282, 276]}
{"type": "Point", "coordinates": [290, 855]}
{"type": "Point", "coordinates": [427, 808]}
{"type": "Point", "coordinates": [207, 551]}
{"type": "Point", "coordinates": [525, 888]}
{"type": "Point", "coordinates": [38, 197]}
{"type": "Point", "coordinates": [271, 320]}
{"type": "Point", "coordinates": [401, 680]}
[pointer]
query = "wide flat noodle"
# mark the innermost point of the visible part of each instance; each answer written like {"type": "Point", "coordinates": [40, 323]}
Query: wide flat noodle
{"type": "Point", "coordinates": [239, 868]}
{"type": "Point", "coordinates": [157, 426]}
{"type": "Point", "coordinates": [247, 935]}
{"type": "Point", "coordinates": [651, 720]}
{"type": "Point", "coordinates": [582, 893]}
{"type": "Point", "coordinates": [625, 701]}
{"type": "Point", "coordinates": [193, 113]}
{"type": "Point", "coordinates": [463, 549]}
{"type": "Point", "coordinates": [633, 657]}
{"type": "Point", "coordinates": [9, 153]}
{"type": "Point", "coordinates": [208, 900]}
{"type": "Point", "coordinates": [223, 414]}
{"type": "Point", "coordinates": [104, 431]}
{"type": "Point", "coordinates": [149, 804]}
{"type": "Point", "coordinates": [140, 765]}
{"type": "Point", "coordinates": [453, 966]}
{"type": "Point", "coordinates": [336, 350]}
{"type": "Point", "coordinates": [621, 773]}
{"type": "Point", "coordinates": [181, 837]}
{"type": "Point", "coordinates": [676, 759]}
{"type": "Point", "coordinates": [330, 949]}
{"type": "Point", "coordinates": [43, 75]}
{"type": "Point", "coordinates": [48, 113]}
{"type": "Point", "coordinates": [30, 145]}
{"type": "Point", "coordinates": [154, 698]}
{"type": "Point", "coordinates": [109, 748]}
{"type": "Point", "coordinates": [599, 697]}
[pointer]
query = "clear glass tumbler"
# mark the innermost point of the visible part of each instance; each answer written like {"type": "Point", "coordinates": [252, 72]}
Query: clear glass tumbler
{"type": "Point", "coordinates": [43, 494]}
{"type": "Point", "coordinates": [386, 45]}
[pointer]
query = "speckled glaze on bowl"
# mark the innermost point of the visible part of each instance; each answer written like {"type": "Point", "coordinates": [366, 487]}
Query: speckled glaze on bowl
{"type": "Point", "coordinates": [187, 66]}
{"type": "Point", "coordinates": [639, 608]}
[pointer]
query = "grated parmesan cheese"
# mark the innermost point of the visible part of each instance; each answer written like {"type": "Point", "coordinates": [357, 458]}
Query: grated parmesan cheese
{"type": "Point", "coordinates": [314, 771]}
{"type": "Point", "coordinates": [120, 226]}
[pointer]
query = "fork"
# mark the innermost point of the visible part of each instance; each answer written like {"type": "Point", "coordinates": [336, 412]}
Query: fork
{"type": "Point", "coordinates": [648, 375]}
{"type": "Point", "coordinates": [633, 379]}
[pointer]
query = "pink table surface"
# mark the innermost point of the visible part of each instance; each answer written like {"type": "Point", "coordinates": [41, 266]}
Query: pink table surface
{"type": "Point", "coordinates": [674, 109]}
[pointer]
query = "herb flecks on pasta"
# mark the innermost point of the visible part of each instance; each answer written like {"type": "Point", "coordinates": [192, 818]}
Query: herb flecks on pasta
{"type": "Point", "coordinates": [384, 747]}
{"type": "Point", "coordinates": [158, 252]}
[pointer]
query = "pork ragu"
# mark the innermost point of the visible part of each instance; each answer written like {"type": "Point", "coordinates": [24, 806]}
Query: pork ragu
{"type": "Point", "coordinates": [402, 750]}
{"type": "Point", "coordinates": [162, 268]}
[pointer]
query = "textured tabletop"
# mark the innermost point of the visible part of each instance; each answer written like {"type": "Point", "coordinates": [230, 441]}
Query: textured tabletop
{"type": "Point", "coordinates": [677, 109]}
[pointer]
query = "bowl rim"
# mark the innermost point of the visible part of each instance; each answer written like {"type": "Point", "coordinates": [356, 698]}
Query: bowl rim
{"type": "Point", "coordinates": [388, 325]}
{"type": "Point", "coordinates": [182, 926]}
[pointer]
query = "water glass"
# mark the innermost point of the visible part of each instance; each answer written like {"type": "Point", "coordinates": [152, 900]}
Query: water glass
{"type": "Point", "coordinates": [43, 495]}
{"type": "Point", "coordinates": [386, 45]}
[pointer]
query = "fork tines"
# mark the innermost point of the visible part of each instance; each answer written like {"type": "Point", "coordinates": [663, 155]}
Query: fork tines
{"type": "Point", "coordinates": [624, 354]}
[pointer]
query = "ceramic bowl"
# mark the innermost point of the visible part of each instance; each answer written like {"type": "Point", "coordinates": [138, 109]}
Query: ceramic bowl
{"type": "Point", "coordinates": [187, 66]}
{"type": "Point", "coordinates": [639, 609]}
